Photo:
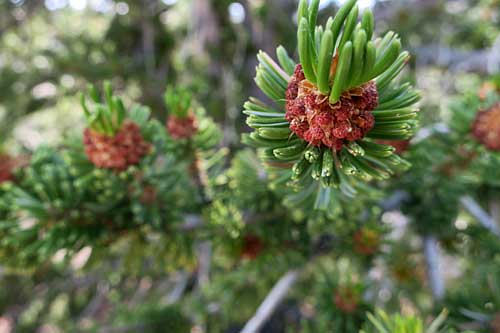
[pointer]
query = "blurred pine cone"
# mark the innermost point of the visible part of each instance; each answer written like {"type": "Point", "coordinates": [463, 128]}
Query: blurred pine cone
{"type": "Point", "coordinates": [117, 152]}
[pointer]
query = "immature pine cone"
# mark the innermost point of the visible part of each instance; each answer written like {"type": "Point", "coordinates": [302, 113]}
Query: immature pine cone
{"type": "Point", "coordinates": [366, 241]}
{"type": "Point", "coordinates": [6, 168]}
{"type": "Point", "coordinates": [318, 122]}
{"type": "Point", "coordinates": [346, 300]}
{"type": "Point", "coordinates": [252, 247]}
{"type": "Point", "coordinates": [182, 128]}
{"type": "Point", "coordinates": [486, 127]}
{"type": "Point", "coordinates": [117, 152]}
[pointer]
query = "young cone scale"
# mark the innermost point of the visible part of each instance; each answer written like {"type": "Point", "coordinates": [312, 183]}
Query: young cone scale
{"type": "Point", "coordinates": [337, 102]}
{"type": "Point", "coordinates": [111, 141]}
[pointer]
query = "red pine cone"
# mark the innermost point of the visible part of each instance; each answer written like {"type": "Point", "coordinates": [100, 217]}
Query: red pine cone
{"type": "Point", "coordinates": [406, 270]}
{"type": "Point", "coordinates": [366, 241]}
{"type": "Point", "coordinates": [182, 128]}
{"type": "Point", "coordinates": [346, 300]}
{"type": "Point", "coordinates": [117, 152]}
{"type": "Point", "coordinates": [252, 247]}
{"type": "Point", "coordinates": [486, 127]}
{"type": "Point", "coordinates": [7, 165]}
{"type": "Point", "coordinates": [318, 122]}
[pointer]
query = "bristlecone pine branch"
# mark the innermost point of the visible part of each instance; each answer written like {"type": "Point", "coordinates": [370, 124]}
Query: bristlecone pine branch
{"type": "Point", "coordinates": [330, 109]}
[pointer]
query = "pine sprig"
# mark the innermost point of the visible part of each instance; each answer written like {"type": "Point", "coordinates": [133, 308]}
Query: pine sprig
{"type": "Point", "coordinates": [187, 121]}
{"type": "Point", "coordinates": [72, 203]}
{"type": "Point", "coordinates": [360, 59]}
{"type": "Point", "coordinates": [340, 62]}
{"type": "Point", "coordinates": [105, 118]}
{"type": "Point", "coordinates": [381, 322]}
{"type": "Point", "coordinates": [178, 101]}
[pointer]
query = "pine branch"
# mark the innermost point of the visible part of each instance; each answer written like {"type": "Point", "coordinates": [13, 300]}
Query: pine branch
{"type": "Point", "coordinates": [180, 287]}
{"type": "Point", "coordinates": [204, 263]}
{"type": "Point", "coordinates": [95, 303]}
{"type": "Point", "coordinates": [271, 302]}
{"type": "Point", "coordinates": [434, 272]}
{"type": "Point", "coordinates": [495, 210]}
{"type": "Point", "coordinates": [148, 37]}
{"type": "Point", "coordinates": [480, 215]}
{"type": "Point", "coordinates": [394, 201]}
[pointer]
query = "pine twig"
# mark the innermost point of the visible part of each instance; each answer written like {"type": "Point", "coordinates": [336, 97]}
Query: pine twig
{"type": "Point", "coordinates": [495, 210]}
{"type": "Point", "coordinates": [180, 287]}
{"type": "Point", "coordinates": [271, 302]}
{"type": "Point", "coordinates": [394, 201]}
{"type": "Point", "coordinates": [204, 263]}
{"type": "Point", "coordinates": [95, 304]}
{"type": "Point", "coordinates": [433, 260]}
{"type": "Point", "coordinates": [480, 215]}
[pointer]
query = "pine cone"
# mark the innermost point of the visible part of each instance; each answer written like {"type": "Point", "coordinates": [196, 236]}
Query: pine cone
{"type": "Point", "coordinates": [117, 152]}
{"type": "Point", "coordinates": [252, 247]}
{"type": "Point", "coordinates": [318, 122]}
{"type": "Point", "coordinates": [8, 164]}
{"type": "Point", "coordinates": [366, 241]}
{"type": "Point", "coordinates": [340, 97]}
{"type": "Point", "coordinates": [346, 300]}
{"type": "Point", "coordinates": [182, 127]}
{"type": "Point", "coordinates": [6, 168]}
{"type": "Point", "coordinates": [486, 127]}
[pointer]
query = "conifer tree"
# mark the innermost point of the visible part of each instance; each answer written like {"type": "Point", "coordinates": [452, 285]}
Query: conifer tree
{"type": "Point", "coordinates": [337, 213]}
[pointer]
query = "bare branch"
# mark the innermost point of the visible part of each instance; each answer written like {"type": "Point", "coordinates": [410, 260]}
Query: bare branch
{"type": "Point", "coordinates": [271, 303]}
{"type": "Point", "coordinates": [433, 260]}
{"type": "Point", "coordinates": [480, 215]}
{"type": "Point", "coordinates": [204, 263]}
{"type": "Point", "coordinates": [180, 287]}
